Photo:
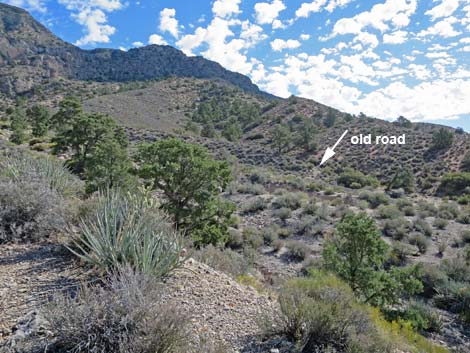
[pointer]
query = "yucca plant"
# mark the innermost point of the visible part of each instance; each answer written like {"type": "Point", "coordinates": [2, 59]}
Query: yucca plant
{"type": "Point", "coordinates": [20, 167]}
{"type": "Point", "coordinates": [128, 229]}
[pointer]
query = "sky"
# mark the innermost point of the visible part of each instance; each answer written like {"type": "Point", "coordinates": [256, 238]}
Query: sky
{"type": "Point", "coordinates": [384, 58]}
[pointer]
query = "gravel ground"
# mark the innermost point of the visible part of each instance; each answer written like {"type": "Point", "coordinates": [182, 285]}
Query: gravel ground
{"type": "Point", "coordinates": [220, 309]}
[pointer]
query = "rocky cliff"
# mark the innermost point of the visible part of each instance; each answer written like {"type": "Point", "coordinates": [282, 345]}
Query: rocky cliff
{"type": "Point", "coordinates": [30, 55]}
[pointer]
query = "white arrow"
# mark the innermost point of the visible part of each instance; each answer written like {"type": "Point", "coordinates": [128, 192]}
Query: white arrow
{"type": "Point", "coordinates": [330, 152]}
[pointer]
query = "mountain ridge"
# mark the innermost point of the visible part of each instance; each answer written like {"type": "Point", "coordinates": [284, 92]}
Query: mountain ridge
{"type": "Point", "coordinates": [30, 54]}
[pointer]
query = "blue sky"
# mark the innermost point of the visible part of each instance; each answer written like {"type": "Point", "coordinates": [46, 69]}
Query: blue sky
{"type": "Point", "coordinates": [385, 58]}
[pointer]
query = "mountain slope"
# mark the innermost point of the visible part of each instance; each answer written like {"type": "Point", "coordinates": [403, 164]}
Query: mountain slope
{"type": "Point", "coordinates": [30, 54]}
{"type": "Point", "coordinates": [168, 107]}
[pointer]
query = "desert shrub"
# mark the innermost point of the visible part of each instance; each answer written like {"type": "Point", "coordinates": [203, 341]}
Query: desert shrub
{"type": "Point", "coordinates": [126, 314]}
{"type": "Point", "coordinates": [464, 216]}
{"type": "Point", "coordinates": [310, 207]}
{"type": "Point", "coordinates": [270, 234]}
{"type": "Point", "coordinates": [406, 206]}
{"type": "Point", "coordinates": [314, 186]}
{"type": "Point", "coordinates": [423, 227]}
{"type": "Point", "coordinates": [128, 229]}
{"type": "Point", "coordinates": [282, 213]}
{"type": "Point", "coordinates": [254, 205]}
{"type": "Point", "coordinates": [329, 191]}
{"type": "Point", "coordinates": [420, 241]}
{"type": "Point", "coordinates": [323, 212]}
{"type": "Point", "coordinates": [396, 228]}
{"type": "Point", "coordinates": [284, 232]}
{"type": "Point", "coordinates": [259, 177]}
{"type": "Point", "coordinates": [289, 200]}
{"type": "Point", "coordinates": [340, 210]}
{"type": "Point", "coordinates": [252, 281]}
{"type": "Point", "coordinates": [402, 203]}
{"type": "Point", "coordinates": [427, 209]}
{"type": "Point", "coordinates": [465, 237]}
{"type": "Point", "coordinates": [388, 212]}
{"type": "Point", "coordinates": [306, 225]}
{"type": "Point", "coordinates": [297, 250]}
{"type": "Point", "coordinates": [403, 122]}
{"type": "Point", "coordinates": [224, 260]}
{"type": "Point", "coordinates": [441, 247]}
{"type": "Point", "coordinates": [22, 167]}
{"type": "Point", "coordinates": [456, 268]}
{"type": "Point", "coordinates": [355, 179]}
{"type": "Point", "coordinates": [29, 211]}
{"type": "Point", "coordinates": [252, 237]}
{"type": "Point", "coordinates": [440, 223]}
{"type": "Point", "coordinates": [442, 139]}
{"type": "Point", "coordinates": [421, 316]}
{"type": "Point", "coordinates": [403, 178]}
{"type": "Point", "coordinates": [454, 183]}
{"type": "Point", "coordinates": [234, 239]}
{"type": "Point", "coordinates": [409, 211]}
{"type": "Point", "coordinates": [432, 277]}
{"type": "Point", "coordinates": [375, 199]}
{"type": "Point", "coordinates": [448, 210]}
{"type": "Point", "coordinates": [455, 297]}
{"type": "Point", "coordinates": [357, 254]}
{"type": "Point", "coordinates": [320, 313]}
{"type": "Point", "coordinates": [278, 245]}
{"type": "Point", "coordinates": [398, 254]}
{"type": "Point", "coordinates": [463, 200]}
{"type": "Point", "coordinates": [249, 188]}
{"type": "Point", "coordinates": [465, 165]}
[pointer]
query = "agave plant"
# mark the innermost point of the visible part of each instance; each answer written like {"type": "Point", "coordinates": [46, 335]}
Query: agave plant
{"type": "Point", "coordinates": [50, 171]}
{"type": "Point", "coordinates": [128, 229]}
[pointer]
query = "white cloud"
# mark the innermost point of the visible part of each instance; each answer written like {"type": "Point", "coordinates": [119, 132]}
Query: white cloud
{"type": "Point", "coordinates": [442, 28]}
{"type": "Point", "coordinates": [419, 102]}
{"type": "Point", "coordinates": [91, 14]}
{"type": "Point", "coordinates": [395, 13]}
{"type": "Point", "coordinates": [307, 8]}
{"type": "Point", "coordinates": [435, 55]}
{"type": "Point", "coordinates": [397, 37]}
{"type": "Point", "coordinates": [252, 33]}
{"type": "Point", "coordinates": [333, 4]}
{"type": "Point", "coordinates": [420, 72]}
{"type": "Point", "coordinates": [266, 12]}
{"type": "Point", "coordinates": [95, 23]}
{"type": "Point", "coordinates": [30, 5]}
{"type": "Point", "coordinates": [444, 9]}
{"type": "Point", "coordinates": [305, 36]}
{"type": "Point", "coordinates": [278, 24]}
{"type": "Point", "coordinates": [226, 8]}
{"type": "Point", "coordinates": [367, 39]}
{"type": "Point", "coordinates": [191, 41]}
{"type": "Point", "coordinates": [465, 48]}
{"type": "Point", "coordinates": [226, 52]}
{"type": "Point", "coordinates": [280, 44]}
{"type": "Point", "coordinates": [156, 39]}
{"type": "Point", "coordinates": [137, 44]}
{"type": "Point", "coordinates": [168, 22]}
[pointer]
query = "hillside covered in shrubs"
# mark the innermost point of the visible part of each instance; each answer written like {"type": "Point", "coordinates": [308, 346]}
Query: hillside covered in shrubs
{"type": "Point", "coordinates": [357, 266]}
{"type": "Point", "coordinates": [174, 212]}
